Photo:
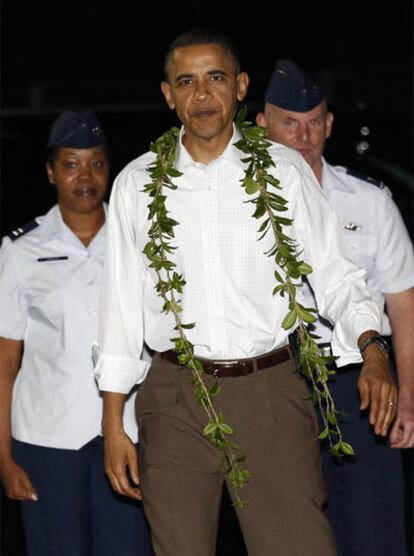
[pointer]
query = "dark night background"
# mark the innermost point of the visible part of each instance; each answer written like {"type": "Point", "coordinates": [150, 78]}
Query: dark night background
{"type": "Point", "coordinates": [108, 56]}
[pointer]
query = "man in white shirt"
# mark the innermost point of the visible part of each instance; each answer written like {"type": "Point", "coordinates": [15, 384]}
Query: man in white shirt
{"type": "Point", "coordinates": [238, 334]}
{"type": "Point", "coordinates": [368, 493]}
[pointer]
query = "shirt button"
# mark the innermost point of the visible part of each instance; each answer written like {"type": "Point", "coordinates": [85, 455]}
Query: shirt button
{"type": "Point", "coordinates": [92, 312]}
{"type": "Point", "coordinates": [91, 282]}
{"type": "Point", "coordinates": [87, 255]}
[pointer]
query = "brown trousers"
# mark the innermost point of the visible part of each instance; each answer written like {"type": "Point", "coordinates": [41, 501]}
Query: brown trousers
{"type": "Point", "coordinates": [182, 476]}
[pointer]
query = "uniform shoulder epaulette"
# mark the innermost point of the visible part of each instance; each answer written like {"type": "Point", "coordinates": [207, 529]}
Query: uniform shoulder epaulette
{"type": "Point", "coordinates": [23, 230]}
{"type": "Point", "coordinates": [364, 177]}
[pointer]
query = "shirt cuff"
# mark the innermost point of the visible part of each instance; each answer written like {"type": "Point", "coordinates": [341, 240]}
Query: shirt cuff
{"type": "Point", "coordinates": [119, 373]}
{"type": "Point", "coordinates": [346, 333]}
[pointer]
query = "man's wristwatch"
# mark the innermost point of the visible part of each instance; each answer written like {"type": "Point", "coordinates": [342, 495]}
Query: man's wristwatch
{"type": "Point", "coordinates": [380, 340]}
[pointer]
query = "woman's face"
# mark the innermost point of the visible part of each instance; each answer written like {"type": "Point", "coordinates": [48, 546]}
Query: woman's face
{"type": "Point", "coordinates": [81, 178]}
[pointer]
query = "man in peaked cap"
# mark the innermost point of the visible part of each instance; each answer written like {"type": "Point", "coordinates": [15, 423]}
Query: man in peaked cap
{"type": "Point", "coordinates": [51, 452]}
{"type": "Point", "coordinates": [365, 496]}
{"type": "Point", "coordinates": [290, 92]}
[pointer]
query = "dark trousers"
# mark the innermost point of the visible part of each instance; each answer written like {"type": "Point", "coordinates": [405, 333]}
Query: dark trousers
{"type": "Point", "coordinates": [182, 476]}
{"type": "Point", "coordinates": [78, 513]}
{"type": "Point", "coordinates": [365, 494]}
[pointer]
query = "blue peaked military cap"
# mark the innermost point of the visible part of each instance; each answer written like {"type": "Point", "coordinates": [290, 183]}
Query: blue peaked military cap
{"type": "Point", "coordinates": [80, 130]}
{"type": "Point", "coordinates": [291, 88]}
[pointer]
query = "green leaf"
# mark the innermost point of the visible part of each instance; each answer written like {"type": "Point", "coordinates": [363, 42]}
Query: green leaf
{"type": "Point", "coordinates": [284, 221]}
{"type": "Point", "coordinates": [241, 116]}
{"type": "Point", "coordinates": [331, 417]}
{"type": "Point", "coordinates": [347, 449]}
{"type": "Point", "coordinates": [226, 429]}
{"type": "Point", "coordinates": [260, 208]}
{"type": "Point", "coordinates": [254, 132]}
{"type": "Point", "coordinates": [336, 450]}
{"type": "Point", "coordinates": [289, 320]}
{"type": "Point", "coordinates": [278, 289]}
{"type": "Point", "coordinates": [214, 390]}
{"type": "Point", "coordinates": [251, 186]}
{"type": "Point", "coordinates": [305, 268]}
{"type": "Point", "coordinates": [279, 277]}
{"type": "Point", "coordinates": [263, 225]}
{"type": "Point", "coordinates": [183, 358]}
{"type": "Point", "coordinates": [274, 181]}
{"type": "Point", "coordinates": [174, 173]}
{"type": "Point", "coordinates": [305, 314]}
{"type": "Point", "coordinates": [284, 250]}
{"type": "Point", "coordinates": [210, 428]}
{"type": "Point", "coordinates": [324, 434]}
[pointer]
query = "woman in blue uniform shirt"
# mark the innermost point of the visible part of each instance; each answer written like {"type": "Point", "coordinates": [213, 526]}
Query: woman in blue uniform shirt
{"type": "Point", "coordinates": [51, 450]}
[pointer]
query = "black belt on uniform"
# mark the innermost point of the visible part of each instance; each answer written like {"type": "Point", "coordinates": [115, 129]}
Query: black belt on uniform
{"type": "Point", "coordinates": [239, 367]}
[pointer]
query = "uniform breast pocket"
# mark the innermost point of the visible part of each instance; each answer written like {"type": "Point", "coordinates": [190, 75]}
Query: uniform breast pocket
{"type": "Point", "coordinates": [46, 322]}
{"type": "Point", "coordinates": [362, 249]}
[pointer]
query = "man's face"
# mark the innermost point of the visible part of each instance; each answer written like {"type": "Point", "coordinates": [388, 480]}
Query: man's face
{"type": "Point", "coordinates": [204, 88]}
{"type": "Point", "coordinates": [304, 131]}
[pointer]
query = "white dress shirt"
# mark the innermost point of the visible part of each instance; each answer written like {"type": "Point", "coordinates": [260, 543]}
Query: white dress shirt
{"type": "Point", "coordinates": [229, 279]}
{"type": "Point", "coordinates": [49, 298]}
{"type": "Point", "coordinates": [375, 235]}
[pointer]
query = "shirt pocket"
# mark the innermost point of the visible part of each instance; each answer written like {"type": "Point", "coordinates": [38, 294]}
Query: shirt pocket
{"type": "Point", "coordinates": [362, 249]}
{"type": "Point", "coordinates": [45, 333]}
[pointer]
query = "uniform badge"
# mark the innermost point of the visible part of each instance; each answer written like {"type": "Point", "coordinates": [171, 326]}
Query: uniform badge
{"type": "Point", "coordinates": [352, 227]}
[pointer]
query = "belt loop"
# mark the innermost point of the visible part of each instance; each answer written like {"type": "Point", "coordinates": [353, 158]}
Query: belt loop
{"type": "Point", "coordinates": [255, 365]}
{"type": "Point", "coordinates": [294, 342]}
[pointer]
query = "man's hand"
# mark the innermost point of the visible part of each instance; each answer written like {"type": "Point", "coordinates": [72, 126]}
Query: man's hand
{"type": "Point", "coordinates": [377, 389]}
{"type": "Point", "coordinates": [400, 309]}
{"type": "Point", "coordinates": [402, 433]}
{"type": "Point", "coordinates": [16, 482]}
{"type": "Point", "coordinates": [120, 458]}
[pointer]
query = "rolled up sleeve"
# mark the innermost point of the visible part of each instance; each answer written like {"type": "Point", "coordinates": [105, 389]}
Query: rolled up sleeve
{"type": "Point", "coordinates": [119, 363]}
{"type": "Point", "coordinates": [339, 285]}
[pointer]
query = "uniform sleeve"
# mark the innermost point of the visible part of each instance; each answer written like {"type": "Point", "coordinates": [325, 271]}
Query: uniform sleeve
{"type": "Point", "coordinates": [121, 334]}
{"type": "Point", "coordinates": [395, 257]}
{"type": "Point", "coordinates": [340, 289]}
{"type": "Point", "coordinates": [13, 305]}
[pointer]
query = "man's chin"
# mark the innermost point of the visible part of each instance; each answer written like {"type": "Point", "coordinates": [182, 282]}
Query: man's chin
{"type": "Point", "coordinates": [206, 130]}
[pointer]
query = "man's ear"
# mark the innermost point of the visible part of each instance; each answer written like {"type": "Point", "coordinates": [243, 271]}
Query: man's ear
{"type": "Point", "coordinates": [242, 85]}
{"type": "Point", "coordinates": [166, 91]}
{"type": "Point", "coordinates": [329, 124]}
{"type": "Point", "coordinates": [261, 119]}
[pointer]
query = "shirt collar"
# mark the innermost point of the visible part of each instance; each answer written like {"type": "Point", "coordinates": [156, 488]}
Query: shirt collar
{"type": "Point", "coordinates": [52, 224]}
{"type": "Point", "coordinates": [331, 180]}
{"type": "Point", "coordinates": [53, 227]}
{"type": "Point", "coordinates": [230, 154]}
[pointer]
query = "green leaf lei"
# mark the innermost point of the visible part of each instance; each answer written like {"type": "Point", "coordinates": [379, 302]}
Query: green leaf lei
{"type": "Point", "coordinates": [268, 204]}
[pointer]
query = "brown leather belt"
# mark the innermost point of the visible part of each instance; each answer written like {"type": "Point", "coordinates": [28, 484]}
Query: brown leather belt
{"type": "Point", "coordinates": [240, 367]}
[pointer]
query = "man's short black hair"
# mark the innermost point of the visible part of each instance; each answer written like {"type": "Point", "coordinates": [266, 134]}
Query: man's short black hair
{"type": "Point", "coordinates": [200, 36]}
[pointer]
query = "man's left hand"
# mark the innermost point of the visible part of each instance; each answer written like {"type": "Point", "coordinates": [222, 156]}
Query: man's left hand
{"type": "Point", "coordinates": [402, 433]}
{"type": "Point", "coordinates": [377, 390]}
